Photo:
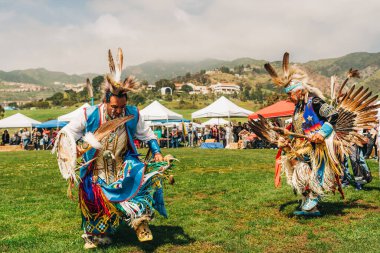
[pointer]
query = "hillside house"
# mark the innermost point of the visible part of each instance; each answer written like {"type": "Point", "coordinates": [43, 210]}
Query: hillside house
{"type": "Point", "coordinates": [225, 88]}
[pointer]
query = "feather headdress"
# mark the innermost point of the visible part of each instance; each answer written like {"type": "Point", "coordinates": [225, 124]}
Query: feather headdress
{"type": "Point", "coordinates": [112, 82]}
{"type": "Point", "coordinates": [292, 79]}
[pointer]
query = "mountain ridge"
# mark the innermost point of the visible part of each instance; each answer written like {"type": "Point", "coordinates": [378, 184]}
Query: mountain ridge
{"type": "Point", "coordinates": [367, 63]}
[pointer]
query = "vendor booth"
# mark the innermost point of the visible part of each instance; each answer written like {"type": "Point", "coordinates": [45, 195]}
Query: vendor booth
{"type": "Point", "coordinates": [51, 124]}
{"type": "Point", "coordinates": [279, 109]}
{"type": "Point", "coordinates": [159, 115]}
{"type": "Point", "coordinates": [74, 114]}
{"type": "Point", "coordinates": [221, 108]}
{"type": "Point", "coordinates": [18, 120]}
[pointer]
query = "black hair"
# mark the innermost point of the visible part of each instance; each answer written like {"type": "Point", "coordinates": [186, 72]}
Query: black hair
{"type": "Point", "coordinates": [109, 94]}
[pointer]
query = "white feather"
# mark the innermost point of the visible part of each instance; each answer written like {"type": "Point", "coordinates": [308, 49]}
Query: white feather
{"type": "Point", "coordinates": [91, 139]}
{"type": "Point", "coordinates": [332, 87]}
{"type": "Point", "coordinates": [314, 90]}
{"type": "Point", "coordinates": [117, 77]}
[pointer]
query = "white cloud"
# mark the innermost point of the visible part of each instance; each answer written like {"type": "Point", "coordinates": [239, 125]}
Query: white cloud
{"type": "Point", "coordinates": [106, 26]}
{"type": "Point", "coordinates": [77, 42]}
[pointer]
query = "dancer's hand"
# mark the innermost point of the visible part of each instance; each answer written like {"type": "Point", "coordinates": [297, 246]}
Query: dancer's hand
{"type": "Point", "coordinates": [317, 138]}
{"type": "Point", "coordinates": [158, 157]}
{"type": "Point", "coordinates": [282, 142]}
{"type": "Point", "coordinates": [80, 151]}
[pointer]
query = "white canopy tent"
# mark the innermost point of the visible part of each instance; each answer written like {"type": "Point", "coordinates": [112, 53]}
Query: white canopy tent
{"type": "Point", "coordinates": [156, 111]}
{"type": "Point", "coordinates": [18, 120]}
{"type": "Point", "coordinates": [215, 121]}
{"type": "Point", "coordinates": [221, 108]}
{"type": "Point", "coordinates": [73, 114]}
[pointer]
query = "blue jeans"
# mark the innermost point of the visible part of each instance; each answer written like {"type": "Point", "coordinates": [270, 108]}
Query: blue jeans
{"type": "Point", "coordinates": [25, 143]}
{"type": "Point", "coordinates": [346, 177]}
{"type": "Point", "coordinates": [174, 142]}
{"type": "Point", "coordinates": [359, 166]}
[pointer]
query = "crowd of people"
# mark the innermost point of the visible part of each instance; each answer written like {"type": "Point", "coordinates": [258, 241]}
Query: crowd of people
{"type": "Point", "coordinates": [37, 139]}
{"type": "Point", "coordinates": [193, 136]}
{"type": "Point", "coordinates": [175, 137]}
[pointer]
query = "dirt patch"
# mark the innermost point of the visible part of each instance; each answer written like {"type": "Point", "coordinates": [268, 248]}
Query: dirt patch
{"type": "Point", "coordinates": [297, 244]}
{"type": "Point", "coordinates": [360, 203]}
{"type": "Point", "coordinates": [209, 211]}
{"type": "Point", "coordinates": [8, 148]}
{"type": "Point", "coordinates": [213, 170]}
{"type": "Point", "coordinates": [195, 247]}
{"type": "Point", "coordinates": [201, 195]}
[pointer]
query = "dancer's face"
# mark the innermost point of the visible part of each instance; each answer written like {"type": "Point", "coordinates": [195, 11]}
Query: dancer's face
{"type": "Point", "coordinates": [116, 106]}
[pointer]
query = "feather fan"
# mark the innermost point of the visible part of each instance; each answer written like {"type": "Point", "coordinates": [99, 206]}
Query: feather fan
{"type": "Point", "coordinates": [106, 128]}
{"type": "Point", "coordinates": [264, 129]}
{"type": "Point", "coordinates": [357, 110]}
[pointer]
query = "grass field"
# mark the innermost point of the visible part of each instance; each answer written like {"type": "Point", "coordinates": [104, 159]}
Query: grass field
{"type": "Point", "coordinates": [222, 201]}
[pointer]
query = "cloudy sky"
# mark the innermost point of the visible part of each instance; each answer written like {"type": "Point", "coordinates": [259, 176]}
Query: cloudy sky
{"type": "Point", "coordinates": [74, 36]}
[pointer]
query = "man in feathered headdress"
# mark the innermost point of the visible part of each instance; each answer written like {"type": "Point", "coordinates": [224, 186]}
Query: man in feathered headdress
{"type": "Point", "coordinates": [313, 146]}
{"type": "Point", "coordinates": [114, 184]}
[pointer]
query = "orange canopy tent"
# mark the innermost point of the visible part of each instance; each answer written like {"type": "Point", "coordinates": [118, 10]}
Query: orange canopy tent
{"type": "Point", "coordinates": [279, 109]}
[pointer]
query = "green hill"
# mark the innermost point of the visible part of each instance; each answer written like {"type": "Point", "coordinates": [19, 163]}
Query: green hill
{"type": "Point", "coordinates": [319, 70]}
{"type": "Point", "coordinates": [41, 76]}
{"type": "Point", "coordinates": [155, 70]}
{"type": "Point", "coordinates": [339, 66]}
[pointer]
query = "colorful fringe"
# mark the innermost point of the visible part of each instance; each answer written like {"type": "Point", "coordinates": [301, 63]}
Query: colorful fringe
{"type": "Point", "coordinates": [100, 216]}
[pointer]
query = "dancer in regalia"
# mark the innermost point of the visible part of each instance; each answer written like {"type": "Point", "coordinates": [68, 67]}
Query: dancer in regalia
{"type": "Point", "coordinates": [312, 148]}
{"type": "Point", "coordinates": [114, 184]}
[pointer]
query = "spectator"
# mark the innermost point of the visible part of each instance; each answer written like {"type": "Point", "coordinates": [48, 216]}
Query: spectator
{"type": "Point", "coordinates": [236, 130]}
{"type": "Point", "coordinates": [174, 137]}
{"type": "Point", "coordinates": [164, 142]}
{"type": "Point", "coordinates": [222, 135]}
{"type": "Point", "coordinates": [13, 140]}
{"type": "Point", "coordinates": [229, 137]}
{"type": "Point", "coordinates": [36, 138]}
{"type": "Point", "coordinates": [207, 133]}
{"type": "Point", "coordinates": [199, 136]}
{"type": "Point", "coordinates": [5, 138]}
{"type": "Point", "coordinates": [181, 136]}
{"type": "Point", "coordinates": [45, 138]}
{"type": "Point", "coordinates": [372, 136]}
{"type": "Point", "coordinates": [191, 135]}
{"type": "Point", "coordinates": [25, 138]}
{"type": "Point", "coordinates": [215, 133]}
{"type": "Point", "coordinates": [158, 133]}
{"type": "Point", "coordinates": [53, 136]}
{"type": "Point", "coordinates": [244, 136]}
{"type": "Point", "coordinates": [362, 174]}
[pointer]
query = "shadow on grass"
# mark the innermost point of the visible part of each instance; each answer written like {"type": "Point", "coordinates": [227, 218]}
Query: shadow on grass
{"type": "Point", "coordinates": [173, 235]}
{"type": "Point", "coordinates": [371, 188]}
{"type": "Point", "coordinates": [330, 208]}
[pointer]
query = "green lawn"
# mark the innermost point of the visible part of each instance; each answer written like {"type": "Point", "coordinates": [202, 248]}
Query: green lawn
{"type": "Point", "coordinates": [222, 201]}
